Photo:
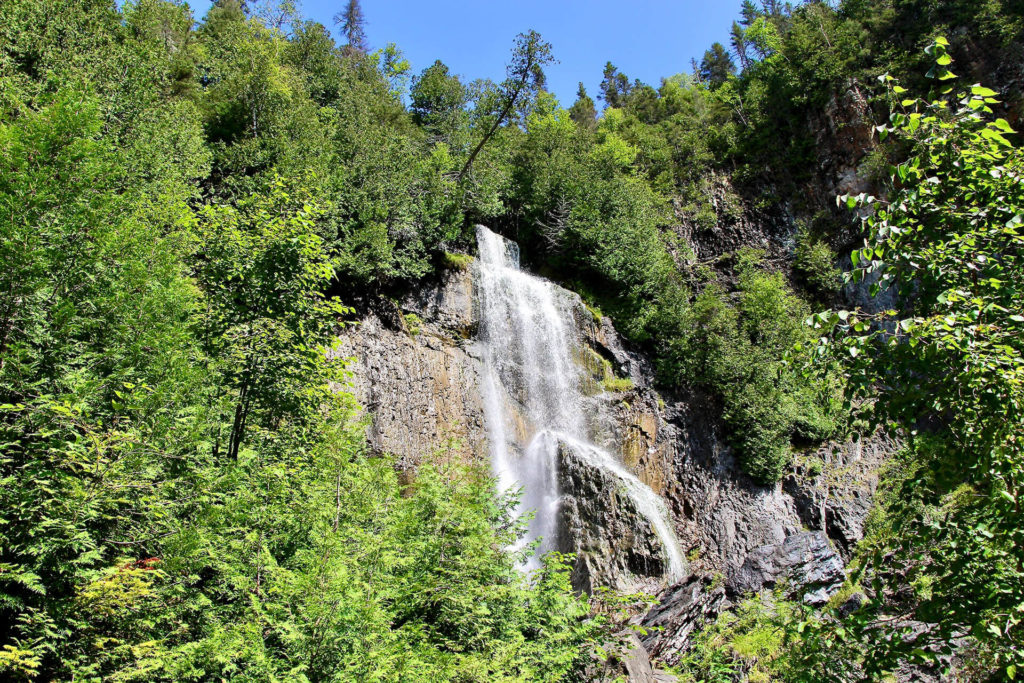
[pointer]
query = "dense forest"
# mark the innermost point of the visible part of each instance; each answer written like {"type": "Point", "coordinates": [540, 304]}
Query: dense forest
{"type": "Point", "coordinates": [192, 207]}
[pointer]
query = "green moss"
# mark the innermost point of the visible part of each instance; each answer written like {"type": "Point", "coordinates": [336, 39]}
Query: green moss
{"type": "Point", "coordinates": [616, 384]}
{"type": "Point", "coordinates": [456, 261]}
{"type": "Point", "coordinates": [847, 591]}
{"type": "Point", "coordinates": [815, 467]}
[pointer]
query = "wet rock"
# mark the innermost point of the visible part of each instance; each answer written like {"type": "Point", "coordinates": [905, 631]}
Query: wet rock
{"type": "Point", "coordinates": [682, 609]}
{"type": "Point", "coordinates": [805, 560]}
{"type": "Point", "coordinates": [614, 543]}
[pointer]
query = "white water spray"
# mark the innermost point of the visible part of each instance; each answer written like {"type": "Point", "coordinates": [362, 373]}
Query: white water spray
{"type": "Point", "coordinates": [528, 337]}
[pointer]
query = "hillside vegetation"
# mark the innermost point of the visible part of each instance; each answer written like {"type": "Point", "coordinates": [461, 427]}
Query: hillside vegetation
{"type": "Point", "coordinates": [192, 206]}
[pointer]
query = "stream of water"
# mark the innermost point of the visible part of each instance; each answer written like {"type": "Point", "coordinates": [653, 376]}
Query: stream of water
{"type": "Point", "coordinates": [528, 338]}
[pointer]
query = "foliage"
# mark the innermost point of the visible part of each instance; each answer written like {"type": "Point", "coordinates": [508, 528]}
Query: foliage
{"type": "Point", "coordinates": [184, 493]}
{"type": "Point", "coordinates": [738, 350]}
{"type": "Point", "coordinates": [946, 371]}
{"type": "Point", "coordinates": [748, 643]}
{"type": "Point", "coordinates": [815, 261]}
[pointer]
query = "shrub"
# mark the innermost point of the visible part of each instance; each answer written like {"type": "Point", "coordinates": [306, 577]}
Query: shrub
{"type": "Point", "coordinates": [815, 261]}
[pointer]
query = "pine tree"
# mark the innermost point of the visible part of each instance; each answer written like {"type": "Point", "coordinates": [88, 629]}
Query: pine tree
{"type": "Point", "coordinates": [740, 44]}
{"type": "Point", "coordinates": [615, 87]}
{"type": "Point", "coordinates": [716, 66]}
{"type": "Point", "coordinates": [749, 12]}
{"type": "Point", "coordinates": [583, 111]}
{"type": "Point", "coordinates": [353, 26]}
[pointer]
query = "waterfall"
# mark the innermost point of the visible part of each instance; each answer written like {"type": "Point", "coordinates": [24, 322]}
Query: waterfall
{"type": "Point", "coordinates": [528, 337]}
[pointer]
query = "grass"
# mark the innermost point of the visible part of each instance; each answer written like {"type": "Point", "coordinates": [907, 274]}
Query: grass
{"type": "Point", "coordinates": [616, 384]}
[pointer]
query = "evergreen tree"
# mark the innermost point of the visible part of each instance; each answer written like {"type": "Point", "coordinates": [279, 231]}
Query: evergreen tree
{"type": "Point", "coordinates": [716, 66]}
{"type": "Point", "coordinates": [353, 26]}
{"type": "Point", "coordinates": [749, 13]}
{"type": "Point", "coordinates": [525, 79]}
{"type": "Point", "coordinates": [583, 111]}
{"type": "Point", "coordinates": [615, 86]}
{"type": "Point", "coordinates": [438, 102]}
{"type": "Point", "coordinates": [740, 45]}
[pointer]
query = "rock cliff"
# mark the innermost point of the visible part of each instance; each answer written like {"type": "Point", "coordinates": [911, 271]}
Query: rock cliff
{"type": "Point", "coordinates": [417, 369]}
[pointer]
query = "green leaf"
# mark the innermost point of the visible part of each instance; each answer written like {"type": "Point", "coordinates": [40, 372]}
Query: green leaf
{"type": "Point", "coordinates": [1003, 125]}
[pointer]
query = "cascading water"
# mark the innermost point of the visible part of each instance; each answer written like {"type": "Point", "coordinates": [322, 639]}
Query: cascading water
{"type": "Point", "coordinates": [528, 338]}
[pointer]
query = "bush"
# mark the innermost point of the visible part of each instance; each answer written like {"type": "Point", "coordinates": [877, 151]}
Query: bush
{"type": "Point", "coordinates": [815, 261]}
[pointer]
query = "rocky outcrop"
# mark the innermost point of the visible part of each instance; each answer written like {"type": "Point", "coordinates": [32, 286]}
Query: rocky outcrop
{"type": "Point", "coordinates": [417, 371]}
{"type": "Point", "coordinates": [613, 543]}
{"type": "Point", "coordinates": [833, 487]}
{"type": "Point", "coordinates": [418, 377]}
{"type": "Point", "coordinates": [683, 609]}
{"type": "Point", "coordinates": [806, 561]}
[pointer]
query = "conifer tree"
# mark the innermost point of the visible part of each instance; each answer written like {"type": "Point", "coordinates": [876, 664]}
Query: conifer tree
{"type": "Point", "coordinates": [353, 26]}
{"type": "Point", "coordinates": [740, 44]}
{"type": "Point", "coordinates": [583, 111]}
{"type": "Point", "coordinates": [615, 87]}
{"type": "Point", "coordinates": [716, 66]}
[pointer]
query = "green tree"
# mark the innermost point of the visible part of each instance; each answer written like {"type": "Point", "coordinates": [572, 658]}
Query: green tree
{"type": "Point", "coordinates": [524, 80]}
{"type": "Point", "coordinates": [740, 45]}
{"type": "Point", "coordinates": [716, 66]}
{"type": "Point", "coordinates": [615, 86]}
{"type": "Point", "coordinates": [438, 104]}
{"type": "Point", "coordinates": [583, 111]}
{"type": "Point", "coordinates": [946, 371]}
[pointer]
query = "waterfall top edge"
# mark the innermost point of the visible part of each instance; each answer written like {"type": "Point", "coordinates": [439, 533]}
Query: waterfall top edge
{"type": "Point", "coordinates": [496, 250]}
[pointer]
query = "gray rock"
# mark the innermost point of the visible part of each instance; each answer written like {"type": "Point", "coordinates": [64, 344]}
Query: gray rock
{"type": "Point", "coordinates": [633, 665]}
{"type": "Point", "coordinates": [806, 560]}
{"type": "Point", "coordinates": [682, 609]}
{"type": "Point", "coordinates": [421, 391]}
{"type": "Point", "coordinates": [614, 544]}
{"type": "Point", "coordinates": [838, 499]}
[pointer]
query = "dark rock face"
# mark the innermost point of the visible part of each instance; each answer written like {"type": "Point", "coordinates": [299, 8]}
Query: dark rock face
{"type": "Point", "coordinates": [614, 544]}
{"type": "Point", "coordinates": [420, 387]}
{"type": "Point", "coordinates": [683, 608]}
{"type": "Point", "coordinates": [837, 499]}
{"type": "Point", "coordinates": [806, 560]}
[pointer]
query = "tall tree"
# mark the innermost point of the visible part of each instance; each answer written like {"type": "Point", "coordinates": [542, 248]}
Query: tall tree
{"type": "Point", "coordinates": [438, 101]}
{"type": "Point", "coordinates": [525, 78]}
{"type": "Point", "coordinates": [615, 86]}
{"type": "Point", "coordinates": [583, 111]}
{"type": "Point", "coordinates": [353, 26]}
{"type": "Point", "coordinates": [749, 13]}
{"type": "Point", "coordinates": [740, 44]}
{"type": "Point", "coordinates": [716, 66]}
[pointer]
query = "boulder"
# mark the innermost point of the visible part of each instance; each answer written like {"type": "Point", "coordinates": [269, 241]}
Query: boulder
{"type": "Point", "coordinates": [805, 560]}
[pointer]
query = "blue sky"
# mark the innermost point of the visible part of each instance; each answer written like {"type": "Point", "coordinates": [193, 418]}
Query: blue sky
{"type": "Point", "coordinates": [646, 39]}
